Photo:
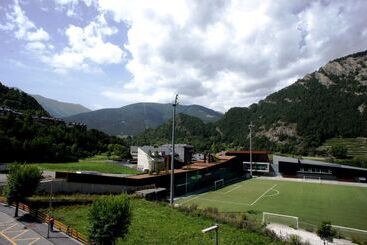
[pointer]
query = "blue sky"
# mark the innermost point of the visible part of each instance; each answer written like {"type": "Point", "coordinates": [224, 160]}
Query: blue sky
{"type": "Point", "coordinates": [218, 53]}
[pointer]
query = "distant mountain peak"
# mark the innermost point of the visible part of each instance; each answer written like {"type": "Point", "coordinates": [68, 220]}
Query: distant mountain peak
{"type": "Point", "coordinates": [135, 118]}
{"type": "Point", "coordinates": [60, 109]}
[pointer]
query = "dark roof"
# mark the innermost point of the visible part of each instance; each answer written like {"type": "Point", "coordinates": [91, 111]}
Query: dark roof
{"type": "Point", "coordinates": [277, 159]}
{"type": "Point", "coordinates": [248, 152]}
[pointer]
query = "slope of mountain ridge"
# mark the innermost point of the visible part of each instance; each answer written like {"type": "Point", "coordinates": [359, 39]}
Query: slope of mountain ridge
{"type": "Point", "coordinates": [327, 103]}
{"type": "Point", "coordinates": [135, 118]}
{"type": "Point", "coordinates": [15, 99]}
{"type": "Point", "coordinates": [60, 109]}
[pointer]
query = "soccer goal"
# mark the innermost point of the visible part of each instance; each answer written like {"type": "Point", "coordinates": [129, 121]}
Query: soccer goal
{"type": "Point", "coordinates": [312, 179]}
{"type": "Point", "coordinates": [218, 184]}
{"type": "Point", "coordinates": [291, 221]}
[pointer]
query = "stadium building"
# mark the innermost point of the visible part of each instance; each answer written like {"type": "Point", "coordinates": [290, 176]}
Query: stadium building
{"type": "Point", "coordinates": [304, 168]}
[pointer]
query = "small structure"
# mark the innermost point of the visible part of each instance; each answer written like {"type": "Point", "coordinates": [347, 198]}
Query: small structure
{"type": "Point", "coordinates": [157, 158]}
{"type": "Point", "coordinates": [260, 161]}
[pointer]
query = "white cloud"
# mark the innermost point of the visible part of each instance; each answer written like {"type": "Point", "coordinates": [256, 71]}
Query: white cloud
{"type": "Point", "coordinates": [25, 30]}
{"type": "Point", "coordinates": [230, 53]}
{"type": "Point", "coordinates": [87, 45]}
{"type": "Point", "coordinates": [22, 26]}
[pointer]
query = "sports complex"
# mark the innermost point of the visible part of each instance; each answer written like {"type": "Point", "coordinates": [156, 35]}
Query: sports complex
{"type": "Point", "coordinates": [306, 203]}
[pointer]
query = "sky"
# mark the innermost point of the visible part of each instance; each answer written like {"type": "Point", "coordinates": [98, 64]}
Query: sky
{"type": "Point", "coordinates": [216, 53]}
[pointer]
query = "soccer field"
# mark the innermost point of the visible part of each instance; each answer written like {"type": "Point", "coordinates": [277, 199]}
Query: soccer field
{"type": "Point", "coordinates": [311, 202]}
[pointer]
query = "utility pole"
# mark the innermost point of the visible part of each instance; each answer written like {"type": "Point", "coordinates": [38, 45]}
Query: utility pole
{"type": "Point", "coordinates": [173, 150]}
{"type": "Point", "coordinates": [250, 126]}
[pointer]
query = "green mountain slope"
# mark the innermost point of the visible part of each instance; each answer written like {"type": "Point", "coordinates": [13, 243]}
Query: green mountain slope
{"type": "Point", "coordinates": [330, 102]}
{"type": "Point", "coordinates": [324, 104]}
{"type": "Point", "coordinates": [60, 109]}
{"type": "Point", "coordinates": [28, 134]}
{"type": "Point", "coordinates": [135, 118]}
{"type": "Point", "coordinates": [189, 130]}
{"type": "Point", "coordinates": [19, 101]}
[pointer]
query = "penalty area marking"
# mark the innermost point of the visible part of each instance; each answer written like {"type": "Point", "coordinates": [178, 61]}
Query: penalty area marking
{"type": "Point", "coordinates": [263, 194]}
{"type": "Point", "coordinates": [275, 194]}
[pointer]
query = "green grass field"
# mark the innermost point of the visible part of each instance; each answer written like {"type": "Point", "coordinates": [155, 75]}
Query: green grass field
{"type": "Point", "coordinates": [155, 223]}
{"type": "Point", "coordinates": [100, 166]}
{"type": "Point", "coordinates": [311, 202]}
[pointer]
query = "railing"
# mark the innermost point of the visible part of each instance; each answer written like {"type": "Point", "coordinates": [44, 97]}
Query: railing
{"type": "Point", "coordinates": [57, 224]}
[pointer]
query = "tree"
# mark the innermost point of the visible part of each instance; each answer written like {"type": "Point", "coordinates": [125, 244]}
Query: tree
{"type": "Point", "coordinates": [339, 151]}
{"type": "Point", "coordinates": [326, 231]}
{"type": "Point", "coordinates": [23, 181]}
{"type": "Point", "coordinates": [109, 218]}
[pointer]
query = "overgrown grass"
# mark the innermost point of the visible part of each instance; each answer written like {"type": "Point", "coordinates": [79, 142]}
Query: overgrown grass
{"type": "Point", "coordinates": [156, 223]}
{"type": "Point", "coordinates": [103, 167]}
{"type": "Point", "coordinates": [357, 147]}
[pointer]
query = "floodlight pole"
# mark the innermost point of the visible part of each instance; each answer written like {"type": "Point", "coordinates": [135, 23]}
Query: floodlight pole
{"type": "Point", "coordinates": [173, 150]}
{"type": "Point", "coordinates": [250, 126]}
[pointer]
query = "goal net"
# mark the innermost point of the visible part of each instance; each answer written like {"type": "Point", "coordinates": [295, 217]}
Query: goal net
{"type": "Point", "coordinates": [312, 179]}
{"type": "Point", "coordinates": [291, 221]}
{"type": "Point", "coordinates": [218, 184]}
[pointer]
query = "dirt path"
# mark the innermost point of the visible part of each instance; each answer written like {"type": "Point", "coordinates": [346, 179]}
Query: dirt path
{"type": "Point", "coordinates": [284, 232]}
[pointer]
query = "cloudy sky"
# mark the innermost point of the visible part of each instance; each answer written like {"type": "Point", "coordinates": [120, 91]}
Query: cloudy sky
{"type": "Point", "coordinates": [217, 53]}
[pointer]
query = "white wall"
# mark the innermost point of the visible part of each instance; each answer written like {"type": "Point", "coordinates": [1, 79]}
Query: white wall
{"type": "Point", "coordinates": [143, 160]}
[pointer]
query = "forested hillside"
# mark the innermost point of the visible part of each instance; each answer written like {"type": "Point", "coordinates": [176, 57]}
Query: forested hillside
{"type": "Point", "coordinates": [135, 118]}
{"type": "Point", "coordinates": [189, 130]}
{"type": "Point", "coordinates": [17, 100]}
{"type": "Point", "coordinates": [28, 134]}
{"type": "Point", "coordinates": [330, 102]}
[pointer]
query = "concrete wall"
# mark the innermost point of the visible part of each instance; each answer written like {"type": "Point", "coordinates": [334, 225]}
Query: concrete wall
{"type": "Point", "coordinates": [62, 186]}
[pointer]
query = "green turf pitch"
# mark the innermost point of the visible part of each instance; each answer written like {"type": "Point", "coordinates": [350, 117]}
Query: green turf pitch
{"type": "Point", "coordinates": [311, 202]}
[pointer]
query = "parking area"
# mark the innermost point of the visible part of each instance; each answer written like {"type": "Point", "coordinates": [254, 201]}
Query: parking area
{"type": "Point", "coordinates": [14, 232]}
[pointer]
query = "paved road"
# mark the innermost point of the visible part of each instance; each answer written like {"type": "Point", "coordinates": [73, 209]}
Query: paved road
{"type": "Point", "coordinates": [27, 230]}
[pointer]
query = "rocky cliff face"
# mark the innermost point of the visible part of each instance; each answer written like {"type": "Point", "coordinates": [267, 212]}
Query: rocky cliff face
{"type": "Point", "coordinates": [327, 103]}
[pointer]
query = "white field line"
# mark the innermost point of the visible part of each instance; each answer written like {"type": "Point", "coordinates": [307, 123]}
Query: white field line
{"type": "Point", "coordinates": [232, 190]}
{"type": "Point", "coordinates": [263, 194]}
{"type": "Point", "coordinates": [215, 200]}
{"type": "Point", "coordinates": [275, 194]}
{"type": "Point", "coordinates": [190, 199]}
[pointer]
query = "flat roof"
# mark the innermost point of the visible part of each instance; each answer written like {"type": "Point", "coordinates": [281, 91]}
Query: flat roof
{"type": "Point", "coordinates": [314, 162]}
{"type": "Point", "coordinates": [248, 152]}
{"type": "Point", "coordinates": [198, 165]}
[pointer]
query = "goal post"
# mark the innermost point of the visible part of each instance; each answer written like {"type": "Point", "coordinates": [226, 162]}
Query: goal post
{"type": "Point", "coordinates": [218, 184]}
{"type": "Point", "coordinates": [291, 221]}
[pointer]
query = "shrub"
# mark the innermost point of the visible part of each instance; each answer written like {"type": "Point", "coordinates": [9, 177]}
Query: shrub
{"type": "Point", "coordinates": [109, 219]}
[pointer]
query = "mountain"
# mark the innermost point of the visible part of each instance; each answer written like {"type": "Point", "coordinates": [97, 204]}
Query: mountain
{"type": "Point", "coordinates": [19, 101]}
{"type": "Point", "coordinates": [135, 118]}
{"type": "Point", "coordinates": [60, 109]}
{"type": "Point", "coordinates": [29, 134]}
{"type": "Point", "coordinates": [330, 102]}
{"type": "Point", "coordinates": [189, 130]}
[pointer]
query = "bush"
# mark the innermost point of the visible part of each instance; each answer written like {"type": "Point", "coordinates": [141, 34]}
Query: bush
{"type": "Point", "coordinates": [326, 231]}
{"type": "Point", "coordinates": [109, 219]}
{"type": "Point", "coordinates": [339, 151]}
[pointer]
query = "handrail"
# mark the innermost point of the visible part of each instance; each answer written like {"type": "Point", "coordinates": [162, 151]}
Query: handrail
{"type": "Point", "coordinates": [57, 224]}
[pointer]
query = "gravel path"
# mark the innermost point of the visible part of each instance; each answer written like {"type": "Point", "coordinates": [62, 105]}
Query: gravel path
{"type": "Point", "coordinates": [284, 232]}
